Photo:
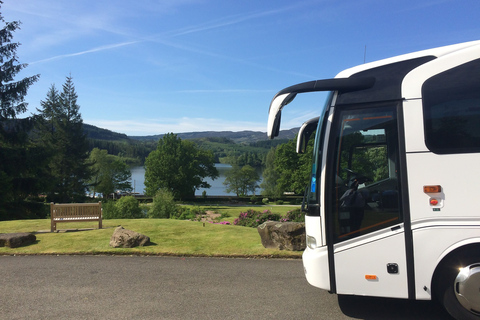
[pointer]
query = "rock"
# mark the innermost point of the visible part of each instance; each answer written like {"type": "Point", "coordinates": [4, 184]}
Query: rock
{"type": "Point", "coordinates": [15, 240]}
{"type": "Point", "coordinates": [283, 235]}
{"type": "Point", "coordinates": [128, 239]}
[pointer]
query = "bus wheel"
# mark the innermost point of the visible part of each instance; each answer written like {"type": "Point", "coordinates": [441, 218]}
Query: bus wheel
{"type": "Point", "coordinates": [460, 293]}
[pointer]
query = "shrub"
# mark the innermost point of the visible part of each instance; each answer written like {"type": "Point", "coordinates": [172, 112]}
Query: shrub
{"type": "Point", "coordinates": [224, 215]}
{"type": "Point", "coordinates": [265, 200]}
{"type": "Point", "coordinates": [185, 213]}
{"type": "Point", "coordinates": [24, 209]}
{"type": "Point", "coordinates": [125, 208]}
{"type": "Point", "coordinates": [128, 208]}
{"type": "Point", "coordinates": [253, 218]}
{"type": "Point", "coordinates": [294, 216]}
{"type": "Point", "coordinates": [108, 210]}
{"type": "Point", "coordinates": [163, 205]}
{"type": "Point", "coordinates": [279, 202]}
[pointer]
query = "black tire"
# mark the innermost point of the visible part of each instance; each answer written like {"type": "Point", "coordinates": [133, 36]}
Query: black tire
{"type": "Point", "coordinates": [446, 293]}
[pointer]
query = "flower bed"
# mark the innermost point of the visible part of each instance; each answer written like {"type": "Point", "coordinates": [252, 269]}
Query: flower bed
{"type": "Point", "coordinates": [252, 218]}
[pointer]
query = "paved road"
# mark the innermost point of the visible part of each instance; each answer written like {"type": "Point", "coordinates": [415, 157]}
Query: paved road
{"type": "Point", "coordinates": [124, 287]}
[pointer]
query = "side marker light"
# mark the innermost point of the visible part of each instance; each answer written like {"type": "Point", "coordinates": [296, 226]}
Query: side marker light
{"type": "Point", "coordinates": [433, 202]}
{"type": "Point", "coordinates": [432, 189]}
{"type": "Point", "coordinates": [371, 277]}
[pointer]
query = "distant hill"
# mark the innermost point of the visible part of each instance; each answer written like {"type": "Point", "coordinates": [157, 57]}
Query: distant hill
{"type": "Point", "coordinates": [237, 137]}
{"type": "Point", "coordinates": [93, 132]}
{"type": "Point", "coordinates": [224, 144]}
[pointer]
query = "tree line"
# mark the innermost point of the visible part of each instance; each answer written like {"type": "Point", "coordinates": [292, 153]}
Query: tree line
{"type": "Point", "coordinates": [133, 152]}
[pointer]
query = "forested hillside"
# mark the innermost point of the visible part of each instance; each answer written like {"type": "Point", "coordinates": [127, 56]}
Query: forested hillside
{"type": "Point", "coordinates": [119, 144]}
{"type": "Point", "coordinates": [245, 147]}
{"type": "Point", "coordinates": [246, 137]}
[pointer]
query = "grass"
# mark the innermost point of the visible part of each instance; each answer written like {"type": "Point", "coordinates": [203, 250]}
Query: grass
{"type": "Point", "coordinates": [169, 237]}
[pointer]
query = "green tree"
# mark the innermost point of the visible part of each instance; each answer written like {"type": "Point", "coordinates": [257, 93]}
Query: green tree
{"type": "Point", "coordinates": [61, 132]}
{"type": "Point", "coordinates": [110, 173]}
{"type": "Point", "coordinates": [241, 180]}
{"type": "Point", "coordinates": [12, 93]}
{"type": "Point", "coordinates": [270, 176]}
{"type": "Point", "coordinates": [178, 166]}
{"type": "Point", "coordinates": [18, 158]}
{"type": "Point", "coordinates": [249, 157]}
{"type": "Point", "coordinates": [293, 169]}
{"type": "Point", "coordinates": [45, 135]}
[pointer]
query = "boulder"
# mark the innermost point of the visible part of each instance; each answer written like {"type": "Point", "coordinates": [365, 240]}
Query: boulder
{"type": "Point", "coordinates": [283, 235]}
{"type": "Point", "coordinates": [128, 239]}
{"type": "Point", "coordinates": [15, 240]}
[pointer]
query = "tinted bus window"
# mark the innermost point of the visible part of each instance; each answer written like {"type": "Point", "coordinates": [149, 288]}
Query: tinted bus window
{"type": "Point", "coordinates": [451, 106]}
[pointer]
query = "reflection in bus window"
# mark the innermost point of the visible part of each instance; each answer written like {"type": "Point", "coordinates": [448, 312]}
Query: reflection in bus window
{"type": "Point", "coordinates": [366, 195]}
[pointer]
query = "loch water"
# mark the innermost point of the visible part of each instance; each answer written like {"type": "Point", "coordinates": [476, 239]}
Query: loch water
{"type": "Point", "coordinates": [217, 186]}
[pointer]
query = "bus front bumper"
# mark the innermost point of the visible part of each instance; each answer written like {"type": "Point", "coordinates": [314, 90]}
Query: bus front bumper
{"type": "Point", "coordinates": [315, 266]}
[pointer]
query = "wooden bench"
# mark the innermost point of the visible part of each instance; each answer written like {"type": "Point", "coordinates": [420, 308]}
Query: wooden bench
{"type": "Point", "coordinates": [75, 212]}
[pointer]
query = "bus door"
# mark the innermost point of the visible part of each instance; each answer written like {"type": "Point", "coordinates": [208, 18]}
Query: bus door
{"type": "Point", "coordinates": [365, 223]}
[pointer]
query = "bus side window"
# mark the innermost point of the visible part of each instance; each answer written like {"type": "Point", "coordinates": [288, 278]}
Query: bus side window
{"type": "Point", "coordinates": [451, 107]}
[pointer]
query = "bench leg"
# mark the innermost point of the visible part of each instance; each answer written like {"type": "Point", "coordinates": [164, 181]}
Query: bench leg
{"type": "Point", "coordinates": [53, 226]}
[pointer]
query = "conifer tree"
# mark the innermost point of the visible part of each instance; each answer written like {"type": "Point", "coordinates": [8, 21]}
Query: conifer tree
{"type": "Point", "coordinates": [60, 130]}
{"type": "Point", "coordinates": [17, 176]}
{"type": "Point", "coordinates": [12, 93]}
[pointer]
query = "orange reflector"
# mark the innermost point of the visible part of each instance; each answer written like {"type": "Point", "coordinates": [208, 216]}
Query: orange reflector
{"type": "Point", "coordinates": [433, 202]}
{"type": "Point", "coordinates": [370, 277]}
{"type": "Point", "coordinates": [432, 189]}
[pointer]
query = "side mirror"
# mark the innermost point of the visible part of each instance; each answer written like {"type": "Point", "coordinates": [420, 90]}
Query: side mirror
{"type": "Point", "coordinates": [305, 133]}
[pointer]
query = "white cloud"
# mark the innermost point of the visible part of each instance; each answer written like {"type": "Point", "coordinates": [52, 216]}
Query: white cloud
{"type": "Point", "coordinates": [97, 49]}
{"type": "Point", "coordinates": [231, 20]}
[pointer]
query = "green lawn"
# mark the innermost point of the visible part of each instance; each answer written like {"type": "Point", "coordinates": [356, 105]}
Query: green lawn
{"type": "Point", "coordinates": [169, 237]}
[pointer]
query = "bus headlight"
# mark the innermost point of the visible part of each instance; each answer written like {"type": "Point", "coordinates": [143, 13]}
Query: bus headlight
{"type": "Point", "coordinates": [311, 242]}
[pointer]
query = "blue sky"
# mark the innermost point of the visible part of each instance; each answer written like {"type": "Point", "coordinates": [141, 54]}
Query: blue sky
{"type": "Point", "coordinates": [150, 67]}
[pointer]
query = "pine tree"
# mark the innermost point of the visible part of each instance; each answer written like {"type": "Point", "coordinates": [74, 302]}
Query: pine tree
{"type": "Point", "coordinates": [18, 176]}
{"type": "Point", "coordinates": [12, 93]}
{"type": "Point", "coordinates": [60, 130]}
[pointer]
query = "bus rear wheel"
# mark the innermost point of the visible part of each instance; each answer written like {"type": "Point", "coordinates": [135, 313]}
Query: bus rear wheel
{"type": "Point", "coordinates": [460, 292]}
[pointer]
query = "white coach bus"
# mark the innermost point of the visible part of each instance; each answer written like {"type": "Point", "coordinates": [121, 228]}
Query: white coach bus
{"type": "Point", "coordinates": [391, 204]}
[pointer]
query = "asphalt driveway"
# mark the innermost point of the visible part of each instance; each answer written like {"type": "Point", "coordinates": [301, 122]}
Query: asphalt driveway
{"type": "Point", "coordinates": [132, 287]}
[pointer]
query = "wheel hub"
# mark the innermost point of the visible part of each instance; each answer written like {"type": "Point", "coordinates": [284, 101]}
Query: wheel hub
{"type": "Point", "coordinates": [467, 288]}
